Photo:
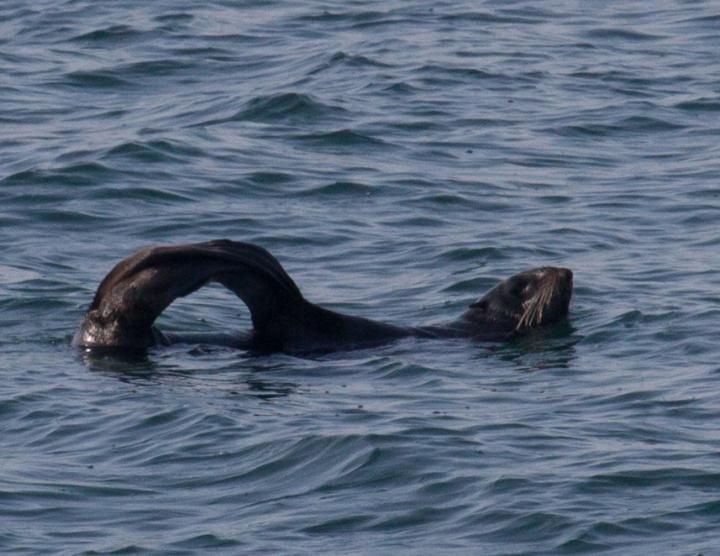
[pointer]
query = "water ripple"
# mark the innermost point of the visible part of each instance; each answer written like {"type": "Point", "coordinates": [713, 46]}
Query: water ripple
{"type": "Point", "coordinates": [398, 159]}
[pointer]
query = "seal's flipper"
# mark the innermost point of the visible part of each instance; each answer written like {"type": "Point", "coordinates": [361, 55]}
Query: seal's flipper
{"type": "Point", "coordinates": [140, 287]}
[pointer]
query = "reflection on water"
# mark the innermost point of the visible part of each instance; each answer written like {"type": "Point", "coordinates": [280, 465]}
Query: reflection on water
{"type": "Point", "coordinates": [237, 369]}
{"type": "Point", "coordinates": [544, 348]}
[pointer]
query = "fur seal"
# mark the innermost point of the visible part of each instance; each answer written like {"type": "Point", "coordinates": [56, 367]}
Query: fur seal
{"type": "Point", "coordinates": [143, 285]}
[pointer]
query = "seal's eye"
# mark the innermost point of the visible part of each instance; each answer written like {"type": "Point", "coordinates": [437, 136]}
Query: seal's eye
{"type": "Point", "coordinates": [517, 287]}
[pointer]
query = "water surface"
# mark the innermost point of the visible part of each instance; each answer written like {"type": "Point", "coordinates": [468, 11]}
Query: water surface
{"type": "Point", "coordinates": [398, 158]}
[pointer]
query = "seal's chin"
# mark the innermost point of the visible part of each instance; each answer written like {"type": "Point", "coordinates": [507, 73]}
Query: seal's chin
{"type": "Point", "coordinates": [547, 297]}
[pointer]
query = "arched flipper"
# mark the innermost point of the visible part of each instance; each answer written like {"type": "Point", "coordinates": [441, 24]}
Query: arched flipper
{"type": "Point", "coordinates": [140, 287]}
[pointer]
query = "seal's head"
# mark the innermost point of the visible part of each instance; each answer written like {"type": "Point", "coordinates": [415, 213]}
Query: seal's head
{"type": "Point", "coordinates": [527, 300]}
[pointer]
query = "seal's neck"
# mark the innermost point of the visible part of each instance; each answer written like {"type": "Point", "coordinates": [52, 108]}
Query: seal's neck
{"type": "Point", "coordinates": [304, 326]}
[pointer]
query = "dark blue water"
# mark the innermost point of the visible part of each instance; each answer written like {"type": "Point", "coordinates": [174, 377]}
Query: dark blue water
{"type": "Point", "coordinates": [398, 158]}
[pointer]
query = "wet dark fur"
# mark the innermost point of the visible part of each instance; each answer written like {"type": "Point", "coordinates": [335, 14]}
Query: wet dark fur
{"type": "Point", "coordinates": [142, 286]}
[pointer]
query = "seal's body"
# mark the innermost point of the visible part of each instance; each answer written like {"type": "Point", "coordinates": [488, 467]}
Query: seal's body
{"type": "Point", "coordinates": [140, 287]}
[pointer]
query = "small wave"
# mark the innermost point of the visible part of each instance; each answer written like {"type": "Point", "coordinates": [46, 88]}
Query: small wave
{"type": "Point", "coordinates": [341, 138]}
{"type": "Point", "coordinates": [66, 217]}
{"type": "Point", "coordinates": [644, 123]}
{"type": "Point", "coordinates": [472, 286]}
{"type": "Point", "coordinates": [154, 194]}
{"type": "Point", "coordinates": [590, 539]}
{"type": "Point", "coordinates": [634, 84]}
{"type": "Point", "coordinates": [74, 174]}
{"type": "Point", "coordinates": [351, 17]}
{"type": "Point", "coordinates": [520, 526]}
{"type": "Point", "coordinates": [124, 76]}
{"type": "Point", "coordinates": [198, 542]}
{"type": "Point", "coordinates": [707, 193]}
{"type": "Point", "coordinates": [95, 79]}
{"type": "Point", "coordinates": [418, 518]}
{"type": "Point", "coordinates": [416, 126]}
{"type": "Point", "coordinates": [13, 275]}
{"type": "Point", "coordinates": [339, 188]}
{"type": "Point", "coordinates": [180, 17]}
{"type": "Point", "coordinates": [344, 60]}
{"type": "Point", "coordinates": [712, 20]}
{"type": "Point", "coordinates": [207, 52]}
{"type": "Point", "coordinates": [154, 151]}
{"type": "Point", "coordinates": [285, 106]}
{"type": "Point", "coordinates": [416, 222]}
{"type": "Point", "coordinates": [555, 199]}
{"type": "Point", "coordinates": [581, 546]}
{"type": "Point", "coordinates": [588, 130]}
{"type": "Point", "coordinates": [474, 254]}
{"type": "Point", "coordinates": [401, 88]}
{"type": "Point", "coordinates": [265, 178]}
{"type": "Point", "coordinates": [456, 200]}
{"type": "Point", "coordinates": [621, 35]}
{"type": "Point", "coordinates": [235, 39]}
{"type": "Point", "coordinates": [704, 218]}
{"type": "Point", "coordinates": [434, 71]}
{"type": "Point", "coordinates": [338, 525]}
{"type": "Point", "coordinates": [700, 105]}
{"type": "Point", "coordinates": [281, 107]}
{"type": "Point", "coordinates": [632, 124]}
{"type": "Point", "coordinates": [668, 477]}
{"type": "Point", "coordinates": [173, 22]}
{"type": "Point", "coordinates": [503, 16]}
{"type": "Point", "coordinates": [356, 60]}
{"type": "Point", "coordinates": [711, 508]}
{"type": "Point", "coordinates": [155, 68]}
{"type": "Point", "coordinates": [113, 34]}
{"type": "Point", "coordinates": [136, 151]}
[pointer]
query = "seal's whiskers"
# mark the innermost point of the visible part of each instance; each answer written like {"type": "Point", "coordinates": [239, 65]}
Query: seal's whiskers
{"type": "Point", "coordinates": [534, 307]}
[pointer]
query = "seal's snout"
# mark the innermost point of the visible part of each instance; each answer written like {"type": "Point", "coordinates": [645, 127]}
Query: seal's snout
{"type": "Point", "coordinates": [564, 274]}
{"type": "Point", "coordinates": [563, 284]}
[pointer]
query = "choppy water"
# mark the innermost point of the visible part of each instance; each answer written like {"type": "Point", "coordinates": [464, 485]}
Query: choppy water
{"type": "Point", "coordinates": [398, 158]}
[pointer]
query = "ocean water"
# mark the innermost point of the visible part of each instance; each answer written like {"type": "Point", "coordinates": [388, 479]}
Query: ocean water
{"type": "Point", "coordinates": [398, 158]}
